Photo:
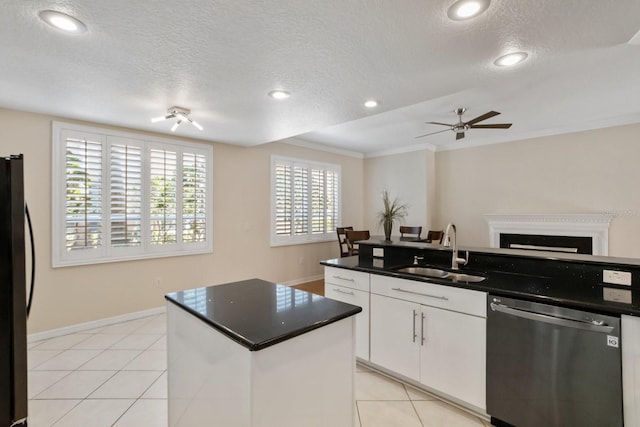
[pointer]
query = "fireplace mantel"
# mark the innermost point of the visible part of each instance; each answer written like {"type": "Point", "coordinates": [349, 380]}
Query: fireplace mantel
{"type": "Point", "coordinates": [594, 225]}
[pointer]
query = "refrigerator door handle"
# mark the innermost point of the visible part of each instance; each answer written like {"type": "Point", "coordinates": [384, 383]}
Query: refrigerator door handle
{"type": "Point", "coordinates": [576, 324]}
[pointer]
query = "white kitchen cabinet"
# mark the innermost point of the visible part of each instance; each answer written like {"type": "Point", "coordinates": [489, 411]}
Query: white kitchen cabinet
{"type": "Point", "coordinates": [453, 356]}
{"type": "Point", "coordinates": [351, 287]}
{"type": "Point", "coordinates": [395, 342]}
{"type": "Point", "coordinates": [444, 349]}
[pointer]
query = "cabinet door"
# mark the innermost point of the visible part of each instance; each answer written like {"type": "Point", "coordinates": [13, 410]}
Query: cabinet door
{"type": "Point", "coordinates": [359, 298]}
{"type": "Point", "coordinates": [395, 339]}
{"type": "Point", "coordinates": [453, 354]}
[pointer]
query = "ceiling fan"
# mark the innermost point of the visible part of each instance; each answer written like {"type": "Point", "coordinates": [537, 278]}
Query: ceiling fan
{"type": "Point", "coordinates": [461, 127]}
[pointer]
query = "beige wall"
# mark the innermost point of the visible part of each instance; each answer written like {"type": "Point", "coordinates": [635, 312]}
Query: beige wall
{"type": "Point", "coordinates": [70, 295]}
{"type": "Point", "coordinates": [594, 171]}
{"type": "Point", "coordinates": [406, 177]}
{"type": "Point", "coordinates": [586, 172]}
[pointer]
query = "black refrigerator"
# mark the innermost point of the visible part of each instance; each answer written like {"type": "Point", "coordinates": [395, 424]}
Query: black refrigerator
{"type": "Point", "coordinates": [13, 312]}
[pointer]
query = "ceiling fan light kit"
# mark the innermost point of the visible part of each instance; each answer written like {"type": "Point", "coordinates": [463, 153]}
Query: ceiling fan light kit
{"type": "Point", "coordinates": [182, 114]}
{"type": "Point", "coordinates": [461, 127]}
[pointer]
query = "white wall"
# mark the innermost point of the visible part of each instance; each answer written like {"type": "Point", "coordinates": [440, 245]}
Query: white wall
{"type": "Point", "coordinates": [70, 295]}
{"type": "Point", "coordinates": [585, 172]}
{"type": "Point", "coordinates": [404, 176]}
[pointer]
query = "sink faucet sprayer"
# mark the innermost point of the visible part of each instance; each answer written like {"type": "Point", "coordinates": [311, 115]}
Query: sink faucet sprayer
{"type": "Point", "coordinates": [447, 242]}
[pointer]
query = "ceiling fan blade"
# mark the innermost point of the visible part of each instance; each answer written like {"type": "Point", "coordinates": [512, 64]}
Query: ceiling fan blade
{"type": "Point", "coordinates": [433, 133]}
{"type": "Point", "coordinates": [438, 123]}
{"type": "Point", "coordinates": [485, 116]}
{"type": "Point", "coordinates": [495, 126]}
{"type": "Point", "coordinates": [459, 135]}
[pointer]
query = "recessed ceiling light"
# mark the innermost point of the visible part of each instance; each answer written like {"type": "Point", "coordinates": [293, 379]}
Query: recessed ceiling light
{"type": "Point", "coordinates": [510, 59]}
{"type": "Point", "coordinates": [279, 94]}
{"type": "Point", "coordinates": [467, 9]}
{"type": "Point", "coordinates": [62, 21]}
{"type": "Point", "coordinates": [371, 103]}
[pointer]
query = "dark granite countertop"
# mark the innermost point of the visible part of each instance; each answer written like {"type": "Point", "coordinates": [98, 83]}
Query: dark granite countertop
{"type": "Point", "coordinates": [258, 314]}
{"type": "Point", "coordinates": [575, 290]}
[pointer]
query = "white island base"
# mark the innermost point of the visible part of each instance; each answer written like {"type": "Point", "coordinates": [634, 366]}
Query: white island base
{"type": "Point", "coordinates": [307, 380]}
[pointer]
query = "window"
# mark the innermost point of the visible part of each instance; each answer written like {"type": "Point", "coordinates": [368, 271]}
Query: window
{"type": "Point", "coordinates": [119, 196]}
{"type": "Point", "coordinates": [305, 199]}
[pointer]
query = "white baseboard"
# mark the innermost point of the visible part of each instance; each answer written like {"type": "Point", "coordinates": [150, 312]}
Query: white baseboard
{"type": "Point", "coordinates": [39, 336]}
{"type": "Point", "coordinates": [303, 280]}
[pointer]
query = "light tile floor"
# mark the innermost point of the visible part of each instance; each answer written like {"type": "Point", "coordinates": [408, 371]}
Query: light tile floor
{"type": "Point", "coordinates": [117, 376]}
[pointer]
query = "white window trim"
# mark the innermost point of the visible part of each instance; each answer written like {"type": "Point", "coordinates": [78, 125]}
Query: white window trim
{"type": "Point", "coordinates": [305, 238]}
{"type": "Point", "coordinates": [61, 258]}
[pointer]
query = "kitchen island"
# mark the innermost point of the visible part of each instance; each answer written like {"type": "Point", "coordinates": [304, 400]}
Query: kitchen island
{"type": "Point", "coordinates": [258, 354]}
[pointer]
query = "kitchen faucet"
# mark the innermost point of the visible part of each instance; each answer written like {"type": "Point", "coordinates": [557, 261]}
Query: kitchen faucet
{"type": "Point", "coordinates": [447, 242]}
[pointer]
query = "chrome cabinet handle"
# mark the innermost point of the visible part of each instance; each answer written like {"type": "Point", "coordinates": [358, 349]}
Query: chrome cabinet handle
{"type": "Point", "coordinates": [415, 314]}
{"type": "Point", "coordinates": [344, 278]}
{"type": "Point", "coordinates": [420, 293]}
{"type": "Point", "coordinates": [343, 292]}
{"type": "Point", "coordinates": [422, 330]}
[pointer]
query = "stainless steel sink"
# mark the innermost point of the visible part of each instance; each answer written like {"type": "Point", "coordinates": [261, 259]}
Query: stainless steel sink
{"type": "Point", "coordinates": [462, 277]}
{"type": "Point", "coordinates": [423, 271]}
{"type": "Point", "coordinates": [441, 274]}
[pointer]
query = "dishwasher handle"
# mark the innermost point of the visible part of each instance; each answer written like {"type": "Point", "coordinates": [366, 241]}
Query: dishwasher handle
{"type": "Point", "coordinates": [576, 324]}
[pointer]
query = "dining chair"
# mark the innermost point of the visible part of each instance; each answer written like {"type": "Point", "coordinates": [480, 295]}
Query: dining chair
{"type": "Point", "coordinates": [435, 236]}
{"type": "Point", "coordinates": [342, 240]}
{"type": "Point", "coordinates": [354, 236]}
{"type": "Point", "coordinates": [410, 233]}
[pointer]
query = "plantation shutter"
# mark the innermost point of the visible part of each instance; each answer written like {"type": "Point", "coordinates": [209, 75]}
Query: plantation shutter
{"type": "Point", "coordinates": [318, 196]}
{"type": "Point", "coordinates": [119, 196]}
{"type": "Point", "coordinates": [163, 166]}
{"type": "Point", "coordinates": [332, 201]}
{"type": "Point", "coordinates": [194, 197]}
{"type": "Point", "coordinates": [300, 200]}
{"type": "Point", "coordinates": [305, 201]}
{"type": "Point", "coordinates": [126, 195]}
{"type": "Point", "coordinates": [282, 199]}
{"type": "Point", "coordinates": [83, 192]}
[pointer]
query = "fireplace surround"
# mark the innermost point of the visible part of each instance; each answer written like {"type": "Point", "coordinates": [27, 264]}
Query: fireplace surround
{"type": "Point", "coordinates": [569, 233]}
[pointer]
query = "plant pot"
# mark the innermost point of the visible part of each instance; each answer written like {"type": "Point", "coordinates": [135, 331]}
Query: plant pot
{"type": "Point", "coordinates": [388, 225]}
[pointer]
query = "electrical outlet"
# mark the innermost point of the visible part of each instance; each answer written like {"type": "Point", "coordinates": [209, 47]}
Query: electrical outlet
{"type": "Point", "coordinates": [617, 295]}
{"type": "Point", "coordinates": [158, 282]}
{"type": "Point", "coordinates": [616, 277]}
{"type": "Point", "coordinates": [378, 252]}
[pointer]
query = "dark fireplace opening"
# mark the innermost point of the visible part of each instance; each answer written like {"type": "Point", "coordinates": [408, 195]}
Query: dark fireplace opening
{"type": "Point", "coordinates": [536, 242]}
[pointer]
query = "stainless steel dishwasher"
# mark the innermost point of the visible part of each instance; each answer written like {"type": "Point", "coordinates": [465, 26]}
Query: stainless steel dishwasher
{"type": "Point", "coordinates": [552, 366]}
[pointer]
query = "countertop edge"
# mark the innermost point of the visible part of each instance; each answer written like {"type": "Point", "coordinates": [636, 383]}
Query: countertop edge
{"type": "Point", "coordinates": [252, 346]}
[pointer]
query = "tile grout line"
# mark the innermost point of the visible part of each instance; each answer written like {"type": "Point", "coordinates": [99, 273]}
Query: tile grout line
{"type": "Point", "coordinates": [77, 369]}
{"type": "Point", "coordinates": [413, 405]}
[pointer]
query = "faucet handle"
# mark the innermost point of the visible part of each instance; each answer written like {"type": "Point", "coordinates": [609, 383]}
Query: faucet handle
{"type": "Point", "coordinates": [463, 261]}
{"type": "Point", "coordinates": [417, 258]}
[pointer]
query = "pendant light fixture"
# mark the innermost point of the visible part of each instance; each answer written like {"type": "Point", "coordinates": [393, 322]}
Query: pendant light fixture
{"type": "Point", "coordinates": [182, 114]}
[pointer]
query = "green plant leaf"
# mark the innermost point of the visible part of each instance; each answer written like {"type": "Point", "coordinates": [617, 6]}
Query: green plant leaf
{"type": "Point", "coordinates": [393, 210]}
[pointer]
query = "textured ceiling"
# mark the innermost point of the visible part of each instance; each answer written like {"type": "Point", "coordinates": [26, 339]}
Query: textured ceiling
{"type": "Point", "coordinates": [221, 58]}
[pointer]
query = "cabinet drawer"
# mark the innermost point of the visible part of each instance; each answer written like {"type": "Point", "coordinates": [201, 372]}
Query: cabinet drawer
{"type": "Point", "coordinates": [441, 296]}
{"type": "Point", "coordinates": [349, 278]}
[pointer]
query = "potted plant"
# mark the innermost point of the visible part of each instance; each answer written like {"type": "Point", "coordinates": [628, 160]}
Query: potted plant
{"type": "Point", "coordinates": [393, 211]}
